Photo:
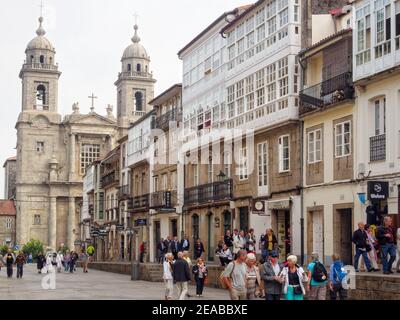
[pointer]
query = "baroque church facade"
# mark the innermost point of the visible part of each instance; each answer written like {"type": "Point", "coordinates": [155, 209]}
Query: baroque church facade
{"type": "Point", "coordinates": [54, 151]}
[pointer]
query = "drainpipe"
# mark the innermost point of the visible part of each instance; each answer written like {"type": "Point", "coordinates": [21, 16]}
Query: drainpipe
{"type": "Point", "coordinates": [301, 194]}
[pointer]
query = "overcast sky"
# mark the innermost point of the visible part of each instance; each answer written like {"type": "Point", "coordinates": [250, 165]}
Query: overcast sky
{"type": "Point", "coordinates": [89, 37]}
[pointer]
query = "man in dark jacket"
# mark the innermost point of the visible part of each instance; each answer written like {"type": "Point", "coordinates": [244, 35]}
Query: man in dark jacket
{"type": "Point", "coordinates": [228, 239]}
{"type": "Point", "coordinates": [270, 274]}
{"type": "Point", "coordinates": [9, 259]}
{"type": "Point", "coordinates": [41, 261]}
{"type": "Point", "coordinates": [175, 247]}
{"type": "Point", "coordinates": [162, 250]}
{"type": "Point", "coordinates": [181, 273]}
{"type": "Point", "coordinates": [360, 238]}
{"type": "Point", "coordinates": [387, 239]}
{"type": "Point", "coordinates": [185, 244]}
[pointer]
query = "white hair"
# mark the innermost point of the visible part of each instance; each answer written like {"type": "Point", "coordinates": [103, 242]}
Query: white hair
{"type": "Point", "coordinates": [169, 255]}
{"type": "Point", "coordinates": [292, 258]}
{"type": "Point", "coordinates": [251, 256]}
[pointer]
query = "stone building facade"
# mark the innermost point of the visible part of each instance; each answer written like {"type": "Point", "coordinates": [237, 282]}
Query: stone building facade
{"type": "Point", "coordinates": [7, 222]}
{"type": "Point", "coordinates": [10, 176]}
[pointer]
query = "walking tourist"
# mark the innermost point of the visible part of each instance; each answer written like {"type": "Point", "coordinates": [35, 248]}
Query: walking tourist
{"type": "Point", "coordinates": [318, 278]}
{"type": "Point", "coordinates": [67, 261]}
{"type": "Point", "coordinates": [72, 260]}
{"type": "Point", "coordinates": [362, 247]}
{"type": "Point", "coordinates": [185, 244]}
{"type": "Point", "coordinates": [198, 249]}
{"type": "Point", "coordinates": [168, 276]}
{"type": "Point", "coordinates": [84, 258]}
{"type": "Point", "coordinates": [234, 277]}
{"type": "Point", "coordinates": [372, 244]}
{"type": "Point", "coordinates": [189, 262]}
{"type": "Point", "coordinates": [9, 260]}
{"type": "Point", "coordinates": [271, 275]}
{"type": "Point", "coordinates": [225, 255]}
{"type": "Point", "coordinates": [90, 251]}
{"type": "Point", "coordinates": [41, 262]}
{"type": "Point", "coordinates": [294, 278]}
{"type": "Point", "coordinates": [20, 260]}
{"type": "Point", "coordinates": [181, 273]}
{"type": "Point", "coordinates": [336, 276]}
{"type": "Point", "coordinates": [252, 276]}
{"type": "Point", "coordinates": [250, 242]}
{"type": "Point", "coordinates": [387, 239]}
{"type": "Point", "coordinates": [200, 274]}
{"type": "Point", "coordinates": [30, 258]}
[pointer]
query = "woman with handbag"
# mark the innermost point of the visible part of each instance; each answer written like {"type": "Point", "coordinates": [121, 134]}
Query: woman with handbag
{"type": "Point", "coordinates": [293, 277]}
{"type": "Point", "coordinates": [371, 249]}
{"type": "Point", "coordinates": [200, 272]}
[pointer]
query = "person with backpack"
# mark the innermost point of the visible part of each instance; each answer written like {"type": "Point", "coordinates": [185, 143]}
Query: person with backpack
{"type": "Point", "coordinates": [10, 260]}
{"type": "Point", "coordinates": [234, 277]}
{"type": "Point", "coordinates": [337, 278]}
{"type": "Point", "coordinates": [360, 239]}
{"type": "Point", "coordinates": [319, 278]}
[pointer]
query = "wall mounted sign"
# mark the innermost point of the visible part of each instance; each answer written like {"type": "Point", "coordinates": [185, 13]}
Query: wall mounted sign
{"type": "Point", "coordinates": [258, 207]}
{"type": "Point", "coordinates": [141, 222]}
{"type": "Point", "coordinates": [378, 190]}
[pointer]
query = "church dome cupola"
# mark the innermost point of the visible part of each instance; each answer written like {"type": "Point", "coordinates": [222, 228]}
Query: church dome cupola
{"type": "Point", "coordinates": [135, 50]}
{"type": "Point", "coordinates": [40, 42]}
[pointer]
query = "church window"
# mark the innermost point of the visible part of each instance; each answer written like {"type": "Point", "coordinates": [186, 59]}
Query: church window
{"type": "Point", "coordinates": [139, 101]}
{"type": "Point", "coordinates": [129, 67]}
{"type": "Point", "coordinates": [40, 97]}
{"type": "Point", "coordinates": [36, 219]}
{"type": "Point", "coordinates": [89, 153]}
{"type": "Point", "coordinates": [138, 67]}
{"type": "Point", "coordinates": [32, 58]}
{"type": "Point", "coordinates": [39, 146]}
{"type": "Point", "coordinates": [41, 59]}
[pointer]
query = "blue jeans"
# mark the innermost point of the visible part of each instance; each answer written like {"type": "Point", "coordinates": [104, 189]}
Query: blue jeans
{"type": "Point", "coordinates": [364, 254]}
{"type": "Point", "coordinates": [388, 249]}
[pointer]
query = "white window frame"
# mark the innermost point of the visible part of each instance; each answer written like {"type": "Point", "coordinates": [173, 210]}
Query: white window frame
{"type": "Point", "coordinates": [262, 164]}
{"type": "Point", "coordinates": [8, 223]}
{"type": "Point", "coordinates": [312, 143]}
{"type": "Point", "coordinates": [243, 164]}
{"type": "Point", "coordinates": [40, 146]}
{"type": "Point", "coordinates": [379, 116]}
{"type": "Point", "coordinates": [342, 143]}
{"type": "Point", "coordinates": [282, 148]}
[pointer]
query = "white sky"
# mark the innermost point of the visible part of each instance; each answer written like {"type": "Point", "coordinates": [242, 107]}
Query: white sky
{"type": "Point", "coordinates": [90, 37]}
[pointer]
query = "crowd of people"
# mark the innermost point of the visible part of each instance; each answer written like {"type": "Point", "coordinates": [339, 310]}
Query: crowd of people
{"type": "Point", "coordinates": [49, 262]}
{"type": "Point", "coordinates": [271, 279]}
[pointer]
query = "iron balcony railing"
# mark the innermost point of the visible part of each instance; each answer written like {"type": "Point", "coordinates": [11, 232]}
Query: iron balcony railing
{"type": "Point", "coordinates": [162, 122]}
{"type": "Point", "coordinates": [138, 202]}
{"type": "Point", "coordinates": [328, 92]}
{"type": "Point", "coordinates": [377, 148]}
{"type": "Point", "coordinates": [215, 191]}
{"type": "Point", "coordinates": [158, 199]}
{"type": "Point", "coordinates": [109, 179]}
{"type": "Point", "coordinates": [123, 192]}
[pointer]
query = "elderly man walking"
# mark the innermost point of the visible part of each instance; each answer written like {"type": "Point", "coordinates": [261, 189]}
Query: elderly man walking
{"type": "Point", "coordinates": [181, 273]}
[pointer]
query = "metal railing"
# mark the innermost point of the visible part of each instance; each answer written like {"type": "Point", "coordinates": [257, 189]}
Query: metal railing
{"type": "Point", "coordinates": [221, 190]}
{"type": "Point", "coordinates": [139, 202]}
{"type": "Point", "coordinates": [123, 191]}
{"type": "Point", "coordinates": [328, 92]}
{"type": "Point", "coordinates": [377, 148]}
{"type": "Point", "coordinates": [162, 122]}
{"type": "Point", "coordinates": [109, 178]}
{"type": "Point", "coordinates": [158, 199]}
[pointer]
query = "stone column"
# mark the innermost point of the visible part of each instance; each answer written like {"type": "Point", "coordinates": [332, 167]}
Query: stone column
{"type": "Point", "coordinates": [72, 157]}
{"type": "Point", "coordinates": [71, 223]}
{"type": "Point", "coordinates": [52, 228]}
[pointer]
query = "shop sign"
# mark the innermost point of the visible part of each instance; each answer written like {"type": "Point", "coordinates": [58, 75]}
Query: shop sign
{"type": "Point", "coordinates": [120, 227]}
{"type": "Point", "coordinates": [278, 205]}
{"type": "Point", "coordinates": [378, 190]}
{"type": "Point", "coordinates": [258, 207]}
{"type": "Point", "coordinates": [141, 222]}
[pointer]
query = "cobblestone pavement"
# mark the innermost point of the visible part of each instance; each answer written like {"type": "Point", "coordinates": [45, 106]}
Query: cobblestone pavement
{"type": "Point", "coordinates": [99, 285]}
{"type": "Point", "coordinates": [95, 285]}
